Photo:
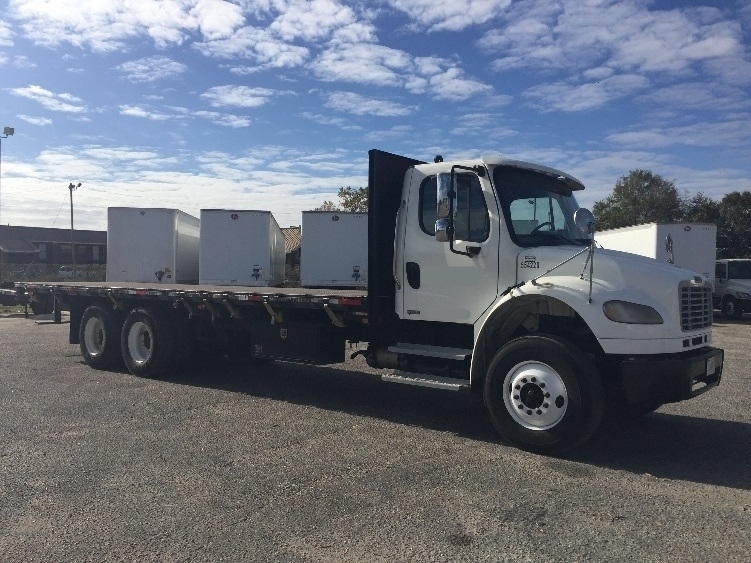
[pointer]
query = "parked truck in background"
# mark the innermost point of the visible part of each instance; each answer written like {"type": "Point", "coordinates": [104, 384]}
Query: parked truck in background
{"type": "Point", "coordinates": [482, 275]}
{"type": "Point", "coordinates": [732, 287]}
{"type": "Point", "coordinates": [692, 246]}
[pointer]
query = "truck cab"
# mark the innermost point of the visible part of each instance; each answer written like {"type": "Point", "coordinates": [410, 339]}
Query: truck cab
{"type": "Point", "coordinates": [497, 283]}
{"type": "Point", "coordinates": [732, 288]}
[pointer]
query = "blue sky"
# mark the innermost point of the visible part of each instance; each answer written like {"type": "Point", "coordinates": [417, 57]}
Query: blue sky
{"type": "Point", "coordinates": [273, 104]}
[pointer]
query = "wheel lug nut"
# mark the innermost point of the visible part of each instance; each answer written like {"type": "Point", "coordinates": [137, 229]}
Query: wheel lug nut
{"type": "Point", "coordinates": [516, 397]}
{"type": "Point", "coordinates": [546, 405]}
{"type": "Point", "coordinates": [533, 379]}
{"type": "Point", "coordinates": [542, 385]}
{"type": "Point", "coordinates": [529, 412]}
{"type": "Point", "coordinates": [539, 411]}
{"type": "Point", "coordinates": [517, 387]}
{"type": "Point", "coordinates": [524, 379]}
{"type": "Point", "coordinates": [547, 395]}
{"type": "Point", "coordinates": [521, 407]}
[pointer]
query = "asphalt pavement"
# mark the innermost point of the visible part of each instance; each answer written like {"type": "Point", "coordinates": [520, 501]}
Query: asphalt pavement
{"type": "Point", "coordinates": [293, 463]}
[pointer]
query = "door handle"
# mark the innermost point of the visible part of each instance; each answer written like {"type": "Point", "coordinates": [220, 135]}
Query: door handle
{"type": "Point", "coordinates": [413, 275]}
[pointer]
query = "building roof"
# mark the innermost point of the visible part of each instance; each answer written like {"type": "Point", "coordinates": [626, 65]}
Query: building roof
{"type": "Point", "coordinates": [26, 239]}
{"type": "Point", "coordinates": [291, 239]}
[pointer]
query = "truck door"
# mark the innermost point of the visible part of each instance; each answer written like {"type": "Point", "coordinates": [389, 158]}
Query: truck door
{"type": "Point", "coordinates": [437, 284]}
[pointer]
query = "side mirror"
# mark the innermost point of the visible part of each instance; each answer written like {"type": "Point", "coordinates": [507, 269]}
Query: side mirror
{"type": "Point", "coordinates": [442, 230]}
{"type": "Point", "coordinates": [443, 193]}
{"type": "Point", "coordinates": [584, 221]}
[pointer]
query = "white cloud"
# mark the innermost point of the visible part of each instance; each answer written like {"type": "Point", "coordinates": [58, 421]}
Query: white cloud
{"type": "Point", "coordinates": [6, 35]}
{"type": "Point", "coordinates": [368, 63]}
{"type": "Point", "coordinates": [310, 20]}
{"type": "Point", "coordinates": [257, 45]}
{"type": "Point", "coordinates": [106, 25]}
{"type": "Point", "coordinates": [364, 63]}
{"type": "Point", "coordinates": [699, 95]}
{"type": "Point", "coordinates": [136, 111]}
{"type": "Point", "coordinates": [625, 35]}
{"type": "Point", "coordinates": [730, 133]}
{"type": "Point", "coordinates": [150, 69]}
{"type": "Point", "coordinates": [41, 121]}
{"type": "Point", "coordinates": [578, 97]}
{"type": "Point", "coordinates": [451, 84]}
{"type": "Point", "coordinates": [360, 105]}
{"type": "Point", "coordinates": [454, 16]}
{"type": "Point", "coordinates": [239, 96]}
{"type": "Point", "coordinates": [49, 100]}
{"type": "Point", "coordinates": [334, 121]}
{"type": "Point", "coordinates": [223, 119]}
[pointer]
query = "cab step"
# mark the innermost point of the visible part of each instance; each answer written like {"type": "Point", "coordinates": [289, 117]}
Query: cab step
{"type": "Point", "coordinates": [424, 380]}
{"type": "Point", "coordinates": [442, 352]}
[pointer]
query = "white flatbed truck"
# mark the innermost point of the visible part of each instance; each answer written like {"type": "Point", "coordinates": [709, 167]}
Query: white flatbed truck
{"type": "Point", "coordinates": [482, 276]}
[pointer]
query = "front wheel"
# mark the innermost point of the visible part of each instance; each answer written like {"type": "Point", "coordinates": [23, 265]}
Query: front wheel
{"type": "Point", "coordinates": [730, 308]}
{"type": "Point", "coordinates": [148, 342]}
{"type": "Point", "coordinates": [543, 394]}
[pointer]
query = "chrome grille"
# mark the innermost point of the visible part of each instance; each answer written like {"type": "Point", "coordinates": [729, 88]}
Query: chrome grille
{"type": "Point", "coordinates": [696, 306]}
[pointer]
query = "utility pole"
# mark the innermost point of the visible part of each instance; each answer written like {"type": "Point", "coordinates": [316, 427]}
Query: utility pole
{"type": "Point", "coordinates": [72, 187]}
{"type": "Point", "coordinates": [7, 132]}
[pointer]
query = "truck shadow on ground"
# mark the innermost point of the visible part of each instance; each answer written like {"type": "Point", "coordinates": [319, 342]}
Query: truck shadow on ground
{"type": "Point", "coordinates": [661, 445]}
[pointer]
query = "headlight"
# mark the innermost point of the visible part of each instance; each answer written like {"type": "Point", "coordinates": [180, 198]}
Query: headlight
{"type": "Point", "coordinates": [631, 313]}
{"type": "Point", "coordinates": [743, 295]}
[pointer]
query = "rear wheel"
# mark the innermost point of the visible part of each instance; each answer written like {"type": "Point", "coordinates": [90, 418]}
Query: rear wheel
{"type": "Point", "coordinates": [543, 394]}
{"type": "Point", "coordinates": [148, 342]}
{"type": "Point", "coordinates": [99, 337]}
{"type": "Point", "coordinates": [730, 308]}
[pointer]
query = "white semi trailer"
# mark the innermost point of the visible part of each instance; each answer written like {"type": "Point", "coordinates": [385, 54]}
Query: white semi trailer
{"type": "Point", "coordinates": [482, 275]}
{"type": "Point", "coordinates": [692, 246]}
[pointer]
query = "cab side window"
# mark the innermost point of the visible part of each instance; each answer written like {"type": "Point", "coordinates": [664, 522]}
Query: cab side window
{"type": "Point", "coordinates": [471, 218]}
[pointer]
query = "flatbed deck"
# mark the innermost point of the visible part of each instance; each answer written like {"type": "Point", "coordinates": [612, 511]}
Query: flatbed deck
{"type": "Point", "coordinates": [229, 299]}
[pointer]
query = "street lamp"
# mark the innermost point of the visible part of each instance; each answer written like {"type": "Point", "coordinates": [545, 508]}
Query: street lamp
{"type": "Point", "coordinates": [72, 187]}
{"type": "Point", "coordinates": [7, 132]}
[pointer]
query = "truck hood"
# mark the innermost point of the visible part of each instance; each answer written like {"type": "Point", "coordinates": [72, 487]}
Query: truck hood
{"type": "Point", "coordinates": [612, 269]}
{"type": "Point", "coordinates": [615, 276]}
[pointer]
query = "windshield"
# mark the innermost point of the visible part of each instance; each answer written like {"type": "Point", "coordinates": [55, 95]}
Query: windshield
{"type": "Point", "coordinates": [739, 270]}
{"type": "Point", "coordinates": [539, 209]}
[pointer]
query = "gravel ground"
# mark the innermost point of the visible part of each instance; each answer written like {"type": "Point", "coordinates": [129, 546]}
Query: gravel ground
{"type": "Point", "coordinates": [296, 463]}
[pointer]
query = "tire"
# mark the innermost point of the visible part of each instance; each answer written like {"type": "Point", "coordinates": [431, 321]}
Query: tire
{"type": "Point", "coordinates": [730, 308]}
{"type": "Point", "coordinates": [543, 394]}
{"type": "Point", "coordinates": [98, 336]}
{"type": "Point", "coordinates": [147, 341]}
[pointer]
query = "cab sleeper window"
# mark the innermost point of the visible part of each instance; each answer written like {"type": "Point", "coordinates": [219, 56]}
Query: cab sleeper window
{"type": "Point", "coordinates": [471, 220]}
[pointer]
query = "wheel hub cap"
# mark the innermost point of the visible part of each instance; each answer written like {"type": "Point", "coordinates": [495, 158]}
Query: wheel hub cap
{"type": "Point", "coordinates": [535, 395]}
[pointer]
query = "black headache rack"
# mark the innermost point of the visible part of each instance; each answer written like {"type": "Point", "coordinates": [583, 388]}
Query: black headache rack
{"type": "Point", "coordinates": [385, 182]}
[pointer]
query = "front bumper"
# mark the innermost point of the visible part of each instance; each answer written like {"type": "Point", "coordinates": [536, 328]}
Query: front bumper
{"type": "Point", "coordinates": [671, 378]}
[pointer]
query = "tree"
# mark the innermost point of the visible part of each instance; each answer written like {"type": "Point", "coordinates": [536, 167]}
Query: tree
{"type": "Point", "coordinates": [639, 197]}
{"type": "Point", "coordinates": [350, 199]}
{"type": "Point", "coordinates": [733, 233]}
{"type": "Point", "coordinates": [327, 206]}
{"type": "Point", "coordinates": [701, 209]}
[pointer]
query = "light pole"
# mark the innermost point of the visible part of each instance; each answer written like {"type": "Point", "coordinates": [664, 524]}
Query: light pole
{"type": "Point", "coordinates": [7, 132]}
{"type": "Point", "coordinates": [72, 187]}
